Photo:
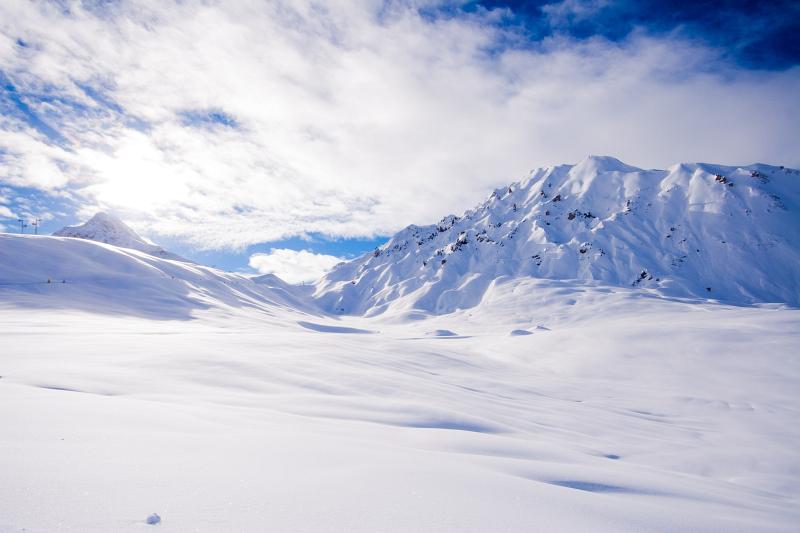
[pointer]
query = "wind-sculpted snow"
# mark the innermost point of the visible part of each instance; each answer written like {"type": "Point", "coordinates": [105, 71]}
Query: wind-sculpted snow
{"type": "Point", "coordinates": [694, 230]}
{"type": "Point", "coordinates": [589, 404]}
{"type": "Point", "coordinates": [621, 411]}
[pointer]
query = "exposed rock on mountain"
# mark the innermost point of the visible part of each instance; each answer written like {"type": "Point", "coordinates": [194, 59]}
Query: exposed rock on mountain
{"type": "Point", "coordinates": [693, 230]}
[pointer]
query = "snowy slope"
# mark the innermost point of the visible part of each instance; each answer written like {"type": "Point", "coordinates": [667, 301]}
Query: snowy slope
{"type": "Point", "coordinates": [62, 272]}
{"type": "Point", "coordinates": [619, 412]}
{"type": "Point", "coordinates": [131, 384]}
{"type": "Point", "coordinates": [694, 230]}
{"type": "Point", "coordinates": [106, 228]}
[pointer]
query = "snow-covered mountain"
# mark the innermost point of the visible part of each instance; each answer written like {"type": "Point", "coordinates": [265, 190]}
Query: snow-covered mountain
{"type": "Point", "coordinates": [63, 273]}
{"type": "Point", "coordinates": [694, 230]}
{"type": "Point", "coordinates": [106, 228]}
{"type": "Point", "coordinates": [546, 403]}
{"type": "Point", "coordinates": [617, 413]}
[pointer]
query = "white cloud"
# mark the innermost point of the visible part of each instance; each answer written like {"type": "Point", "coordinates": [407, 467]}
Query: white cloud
{"type": "Point", "coordinates": [350, 123]}
{"type": "Point", "coordinates": [292, 265]}
{"type": "Point", "coordinates": [5, 212]}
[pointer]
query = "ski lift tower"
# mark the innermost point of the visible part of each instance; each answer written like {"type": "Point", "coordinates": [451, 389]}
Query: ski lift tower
{"type": "Point", "coordinates": [36, 222]}
{"type": "Point", "coordinates": [22, 225]}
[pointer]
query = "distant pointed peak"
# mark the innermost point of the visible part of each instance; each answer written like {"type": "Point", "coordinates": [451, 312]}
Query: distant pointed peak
{"type": "Point", "coordinates": [101, 220]}
{"type": "Point", "coordinates": [107, 228]}
{"type": "Point", "coordinates": [103, 216]}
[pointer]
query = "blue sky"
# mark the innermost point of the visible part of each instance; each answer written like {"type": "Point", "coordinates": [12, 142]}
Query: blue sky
{"type": "Point", "coordinates": [751, 34]}
{"type": "Point", "coordinates": [228, 131]}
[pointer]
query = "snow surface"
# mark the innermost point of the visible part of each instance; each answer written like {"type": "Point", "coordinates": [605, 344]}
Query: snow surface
{"type": "Point", "coordinates": [695, 230]}
{"type": "Point", "coordinates": [134, 386]}
{"type": "Point", "coordinates": [633, 413]}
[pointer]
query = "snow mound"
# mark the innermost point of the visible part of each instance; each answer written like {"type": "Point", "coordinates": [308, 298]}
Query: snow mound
{"type": "Point", "coordinates": [108, 229]}
{"type": "Point", "coordinates": [324, 328]}
{"type": "Point", "coordinates": [442, 333]}
{"type": "Point", "coordinates": [695, 230]}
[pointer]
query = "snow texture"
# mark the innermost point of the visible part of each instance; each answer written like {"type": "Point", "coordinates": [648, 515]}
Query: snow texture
{"type": "Point", "coordinates": [131, 382]}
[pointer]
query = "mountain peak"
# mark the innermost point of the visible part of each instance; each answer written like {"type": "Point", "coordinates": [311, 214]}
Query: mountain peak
{"type": "Point", "coordinates": [603, 163]}
{"type": "Point", "coordinates": [102, 217]}
{"type": "Point", "coordinates": [107, 228]}
{"type": "Point", "coordinates": [690, 231]}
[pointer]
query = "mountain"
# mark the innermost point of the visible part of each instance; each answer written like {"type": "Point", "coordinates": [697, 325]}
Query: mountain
{"type": "Point", "coordinates": [694, 230]}
{"type": "Point", "coordinates": [104, 267]}
{"type": "Point", "coordinates": [47, 272]}
{"type": "Point", "coordinates": [566, 394]}
{"type": "Point", "coordinates": [106, 228]}
{"type": "Point", "coordinates": [551, 406]}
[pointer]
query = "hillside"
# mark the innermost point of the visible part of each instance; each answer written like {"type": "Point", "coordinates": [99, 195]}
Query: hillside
{"type": "Point", "coordinates": [82, 274]}
{"type": "Point", "coordinates": [568, 393]}
{"type": "Point", "coordinates": [553, 406]}
{"type": "Point", "coordinates": [692, 231]}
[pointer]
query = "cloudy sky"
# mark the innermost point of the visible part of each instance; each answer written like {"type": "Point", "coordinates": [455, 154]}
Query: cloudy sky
{"type": "Point", "coordinates": [242, 133]}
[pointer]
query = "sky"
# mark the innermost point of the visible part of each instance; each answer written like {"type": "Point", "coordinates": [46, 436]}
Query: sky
{"type": "Point", "coordinates": [286, 136]}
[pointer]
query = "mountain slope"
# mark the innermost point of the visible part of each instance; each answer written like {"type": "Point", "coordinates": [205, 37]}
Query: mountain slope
{"type": "Point", "coordinates": [81, 274]}
{"type": "Point", "coordinates": [555, 404]}
{"type": "Point", "coordinates": [694, 230]}
{"type": "Point", "coordinates": [108, 229]}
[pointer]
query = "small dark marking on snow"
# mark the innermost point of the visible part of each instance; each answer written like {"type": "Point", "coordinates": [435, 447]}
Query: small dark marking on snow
{"type": "Point", "coordinates": [456, 425]}
{"type": "Point", "coordinates": [67, 389]}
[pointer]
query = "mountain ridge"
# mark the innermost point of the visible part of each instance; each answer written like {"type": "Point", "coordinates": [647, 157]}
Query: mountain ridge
{"type": "Point", "coordinates": [88, 275]}
{"type": "Point", "coordinates": [695, 230]}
